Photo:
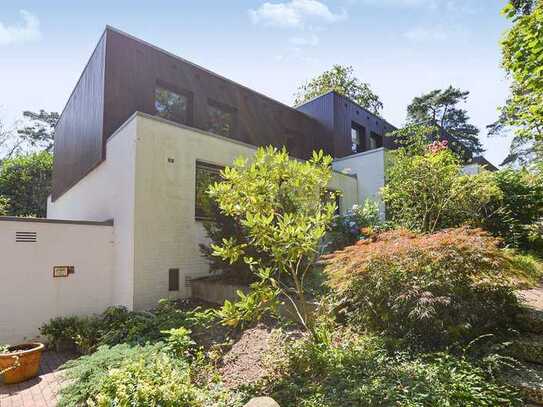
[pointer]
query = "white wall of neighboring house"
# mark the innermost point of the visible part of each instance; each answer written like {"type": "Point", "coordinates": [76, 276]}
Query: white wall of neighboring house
{"type": "Point", "coordinates": [369, 168]}
{"type": "Point", "coordinates": [30, 295]}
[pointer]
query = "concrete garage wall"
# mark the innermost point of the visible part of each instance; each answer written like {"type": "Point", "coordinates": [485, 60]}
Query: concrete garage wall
{"type": "Point", "coordinates": [30, 295]}
{"type": "Point", "coordinates": [166, 232]}
{"type": "Point", "coordinates": [107, 192]}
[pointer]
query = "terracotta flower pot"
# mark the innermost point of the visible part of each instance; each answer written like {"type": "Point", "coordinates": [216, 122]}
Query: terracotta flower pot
{"type": "Point", "coordinates": [22, 362]}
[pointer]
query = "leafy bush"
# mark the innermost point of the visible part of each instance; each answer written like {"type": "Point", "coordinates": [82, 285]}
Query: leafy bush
{"type": "Point", "coordinates": [118, 325]}
{"type": "Point", "coordinates": [161, 381]}
{"type": "Point", "coordinates": [428, 192]}
{"type": "Point", "coordinates": [356, 223]}
{"type": "Point", "coordinates": [358, 371]}
{"type": "Point", "coordinates": [26, 182]}
{"type": "Point", "coordinates": [286, 209]}
{"type": "Point", "coordinates": [431, 289]}
{"type": "Point", "coordinates": [515, 216]}
{"type": "Point", "coordinates": [170, 373]}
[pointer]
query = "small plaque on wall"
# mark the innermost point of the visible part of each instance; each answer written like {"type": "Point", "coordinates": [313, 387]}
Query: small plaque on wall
{"type": "Point", "coordinates": [62, 271]}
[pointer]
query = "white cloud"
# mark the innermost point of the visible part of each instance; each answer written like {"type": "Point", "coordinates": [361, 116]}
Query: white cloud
{"type": "Point", "coordinates": [311, 41]}
{"type": "Point", "coordinates": [28, 31]}
{"type": "Point", "coordinates": [431, 4]}
{"type": "Point", "coordinates": [294, 14]}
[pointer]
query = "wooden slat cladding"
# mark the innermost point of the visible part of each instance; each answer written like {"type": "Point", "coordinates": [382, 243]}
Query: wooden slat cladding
{"type": "Point", "coordinates": [120, 79]}
{"type": "Point", "coordinates": [338, 114]}
{"type": "Point", "coordinates": [79, 132]}
{"type": "Point", "coordinates": [134, 68]}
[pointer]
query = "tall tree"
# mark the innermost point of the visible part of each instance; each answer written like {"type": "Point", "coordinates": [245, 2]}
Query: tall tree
{"type": "Point", "coordinates": [522, 59]}
{"type": "Point", "coordinates": [40, 129]}
{"type": "Point", "coordinates": [341, 80]}
{"type": "Point", "coordinates": [440, 107]}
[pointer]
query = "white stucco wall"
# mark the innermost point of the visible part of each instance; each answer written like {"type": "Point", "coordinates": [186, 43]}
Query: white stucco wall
{"type": "Point", "coordinates": [369, 168]}
{"type": "Point", "coordinates": [107, 192]}
{"type": "Point", "coordinates": [30, 296]}
{"type": "Point", "coordinates": [166, 232]}
{"type": "Point", "coordinates": [147, 185]}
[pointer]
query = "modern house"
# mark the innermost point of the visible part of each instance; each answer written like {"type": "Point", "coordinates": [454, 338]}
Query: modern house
{"type": "Point", "coordinates": [140, 134]}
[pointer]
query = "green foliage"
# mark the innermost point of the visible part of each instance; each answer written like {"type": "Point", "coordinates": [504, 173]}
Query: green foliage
{"type": "Point", "coordinates": [84, 374]}
{"type": "Point", "coordinates": [514, 216]}
{"type": "Point", "coordinates": [4, 203]}
{"type": "Point", "coordinates": [161, 381]}
{"type": "Point", "coordinates": [4, 348]}
{"type": "Point", "coordinates": [39, 132]}
{"type": "Point", "coordinates": [440, 108]}
{"type": "Point", "coordinates": [340, 79]}
{"type": "Point", "coordinates": [358, 371]}
{"type": "Point", "coordinates": [118, 325]}
{"type": "Point", "coordinates": [250, 308]}
{"type": "Point", "coordinates": [429, 290]}
{"type": "Point", "coordinates": [284, 208]}
{"type": "Point", "coordinates": [358, 222]}
{"type": "Point", "coordinates": [522, 58]}
{"type": "Point", "coordinates": [25, 181]}
{"type": "Point", "coordinates": [429, 192]}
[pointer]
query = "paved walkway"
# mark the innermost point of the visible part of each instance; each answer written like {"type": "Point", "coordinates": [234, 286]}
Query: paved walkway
{"type": "Point", "coordinates": [40, 391]}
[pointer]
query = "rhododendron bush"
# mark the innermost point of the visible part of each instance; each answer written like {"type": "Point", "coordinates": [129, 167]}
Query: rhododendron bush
{"type": "Point", "coordinates": [434, 289]}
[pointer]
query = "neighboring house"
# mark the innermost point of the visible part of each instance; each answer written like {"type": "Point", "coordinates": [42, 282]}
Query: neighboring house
{"type": "Point", "coordinates": [140, 137]}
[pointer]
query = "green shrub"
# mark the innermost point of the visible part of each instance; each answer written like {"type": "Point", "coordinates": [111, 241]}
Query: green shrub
{"type": "Point", "coordinates": [428, 191]}
{"type": "Point", "coordinates": [85, 373]}
{"type": "Point", "coordinates": [356, 371]}
{"type": "Point", "coordinates": [118, 325]}
{"type": "Point", "coordinates": [432, 290]}
{"type": "Point", "coordinates": [516, 215]}
{"type": "Point", "coordinates": [285, 207]}
{"type": "Point", "coordinates": [161, 381]}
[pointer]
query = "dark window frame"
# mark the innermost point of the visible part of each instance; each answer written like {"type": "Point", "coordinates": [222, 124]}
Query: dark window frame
{"type": "Point", "coordinates": [377, 138]}
{"type": "Point", "coordinates": [180, 92]}
{"type": "Point", "coordinates": [361, 137]}
{"type": "Point", "coordinates": [226, 109]}
{"type": "Point", "coordinates": [199, 213]}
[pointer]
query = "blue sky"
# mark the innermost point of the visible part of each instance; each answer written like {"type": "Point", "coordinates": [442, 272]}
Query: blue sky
{"type": "Point", "coordinates": [402, 48]}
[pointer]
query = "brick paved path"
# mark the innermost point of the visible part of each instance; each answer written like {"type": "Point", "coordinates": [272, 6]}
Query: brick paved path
{"type": "Point", "coordinates": [40, 391]}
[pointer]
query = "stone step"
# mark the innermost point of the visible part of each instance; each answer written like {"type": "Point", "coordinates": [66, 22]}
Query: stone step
{"type": "Point", "coordinates": [528, 348]}
{"type": "Point", "coordinates": [528, 379]}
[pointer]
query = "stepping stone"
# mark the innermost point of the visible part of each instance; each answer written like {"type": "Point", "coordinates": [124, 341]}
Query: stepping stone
{"type": "Point", "coordinates": [527, 348]}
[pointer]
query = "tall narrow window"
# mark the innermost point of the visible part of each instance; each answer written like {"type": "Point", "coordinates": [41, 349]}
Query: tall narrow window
{"type": "Point", "coordinates": [206, 174]}
{"type": "Point", "coordinates": [173, 280]}
{"type": "Point", "coordinates": [358, 134]}
{"type": "Point", "coordinates": [222, 118]}
{"type": "Point", "coordinates": [175, 106]}
{"type": "Point", "coordinates": [376, 141]}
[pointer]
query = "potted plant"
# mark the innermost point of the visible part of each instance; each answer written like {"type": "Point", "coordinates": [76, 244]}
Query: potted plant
{"type": "Point", "coordinates": [20, 362]}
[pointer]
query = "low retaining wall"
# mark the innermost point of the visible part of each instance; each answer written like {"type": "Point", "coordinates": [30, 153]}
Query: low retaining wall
{"type": "Point", "coordinates": [30, 292]}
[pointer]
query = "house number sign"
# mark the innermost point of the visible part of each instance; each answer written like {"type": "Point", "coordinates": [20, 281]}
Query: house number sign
{"type": "Point", "coordinates": [62, 271]}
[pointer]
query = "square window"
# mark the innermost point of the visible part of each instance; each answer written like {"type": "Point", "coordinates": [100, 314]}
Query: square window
{"type": "Point", "coordinates": [175, 106]}
{"type": "Point", "coordinates": [358, 134]}
{"type": "Point", "coordinates": [206, 174]}
{"type": "Point", "coordinates": [173, 280]}
{"type": "Point", "coordinates": [376, 141]}
{"type": "Point", "coordinates": [221, 118]}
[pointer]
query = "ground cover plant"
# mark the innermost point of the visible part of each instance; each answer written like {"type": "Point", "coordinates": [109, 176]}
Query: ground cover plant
{"type": "Point", "coordinates": [357, 370]}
